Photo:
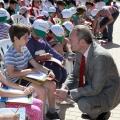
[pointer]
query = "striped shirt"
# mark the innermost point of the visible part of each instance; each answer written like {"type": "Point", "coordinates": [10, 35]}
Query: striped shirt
{"type": "Point", "coordinates": [4, 27]}
{"type": "Point", "coordinates": [18, 60]}
{"type": "Point", "coordinates": [106, 11]}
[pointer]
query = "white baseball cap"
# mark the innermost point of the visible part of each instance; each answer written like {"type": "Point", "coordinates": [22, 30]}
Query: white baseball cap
{"type": "Point", "coordinates": [66, 13]}
{"type": "Point", "coordinates": [1, 1]}
{"type": "Point", "coordinates": [23, 9]}
{"type": "Point", "coordinates": [58, 31]}
{"type": "Point", "coordinates": [40, 27]}
{"type": "Point", "coordinates": [69, 26]}
{"type": "Point", "coordinates": [52, 10]}
{"type": "Point", "coordinates": [73, 10]}
{"type": "Point", "coordinates": [3, 15]}
{"type": "Point", "coordinates": [45, 13]}
{"type": "Point", "coordinates": [94, 12]}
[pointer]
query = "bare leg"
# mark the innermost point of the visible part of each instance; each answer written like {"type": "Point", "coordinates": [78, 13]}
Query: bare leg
{"type": "Point", "coordinates": [41, 94]}
{"type": "Point", "coordinates": [51, 86]}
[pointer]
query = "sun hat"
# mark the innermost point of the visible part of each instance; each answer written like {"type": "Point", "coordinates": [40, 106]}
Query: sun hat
{"type": "Point", "coordinates": [66, 13]}
{"type": "Point", "coordinates": [73, 10]}
{"type": "Point", "coordinates": [69, 26]}
{"type": "Point", "coordinates": [3, 15]}
{"type": "Point", "coordinates": [58, 31]}
{"type": "Point", "coordinates": [40, 27]}
{"type": "Point", "coordinates": [23, 9]}
{"type": "Point", "coordinates": [1, 1]}
{"type": "Point", "coordinates": [94, 12]}
{"type": "Point", "coordinates": [51, 10]}
{"type": "Point", "coordinates": [44, 13]}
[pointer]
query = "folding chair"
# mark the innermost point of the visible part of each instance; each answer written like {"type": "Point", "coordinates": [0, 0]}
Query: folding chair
{"type": "Point", "coordinates": [36, 11]}
{"type": "Point", "coordinates": [57, 21]}
{"type": "Point", "coordinates": [4, 45]}
{"type": "Point", "coordinates": [18, 19]}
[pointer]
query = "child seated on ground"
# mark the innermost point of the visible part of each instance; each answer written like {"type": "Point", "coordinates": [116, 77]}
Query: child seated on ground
{"type": "Point", "coordinates": [36, 107]}
{"type": "Point", "coordinates": [16, 61]}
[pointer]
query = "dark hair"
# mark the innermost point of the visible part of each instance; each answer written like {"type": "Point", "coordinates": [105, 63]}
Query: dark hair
{"type": "Point", "coordinates": [52, 1]}
{"type": "Point", "coordinates": [89, 3]}
{"type": "Point", "coordinates": [73, 2]}
{"type": "Point", "coordinates": [61, 3]}
{"type": "Point", "coordinates": [83, 32]}
{"type": "Point", "coordinates": [2, 4]}
{"type": "Point", "coordinates": [80, 10]}
{"type": "Point", "coordinates": [18, 30]}
{"type": "Point", "coordinates": [6, 1]}
{"type": "Point", "coordinates": [13, 2]}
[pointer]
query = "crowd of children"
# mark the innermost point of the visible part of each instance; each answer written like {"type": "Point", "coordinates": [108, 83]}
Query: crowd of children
{"type": "Point", "coordinates": [45, 34]}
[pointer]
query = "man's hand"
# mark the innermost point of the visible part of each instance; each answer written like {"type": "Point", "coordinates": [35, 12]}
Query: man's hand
{"type": "Point", "coordinates": [61, 94]}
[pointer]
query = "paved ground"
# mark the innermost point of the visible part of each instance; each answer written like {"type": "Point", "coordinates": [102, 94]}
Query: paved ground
{"type": "Point", "coordinates": [71, 112]}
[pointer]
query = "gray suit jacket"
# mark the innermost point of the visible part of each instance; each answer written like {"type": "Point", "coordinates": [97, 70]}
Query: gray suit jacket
{"type": "Point", "coordinates": [101, 78]}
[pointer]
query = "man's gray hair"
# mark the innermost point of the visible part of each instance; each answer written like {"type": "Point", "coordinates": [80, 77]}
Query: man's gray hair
{"type": "Point", "coordinates": [83, 32]}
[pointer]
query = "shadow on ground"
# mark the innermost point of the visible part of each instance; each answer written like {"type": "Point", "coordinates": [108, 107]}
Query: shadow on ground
{"type": "Point", "coordinates": [111, 45]}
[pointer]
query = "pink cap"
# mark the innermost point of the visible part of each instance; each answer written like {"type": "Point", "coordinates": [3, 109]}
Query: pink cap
{"type": "Point", "coordinates": [23, 9]}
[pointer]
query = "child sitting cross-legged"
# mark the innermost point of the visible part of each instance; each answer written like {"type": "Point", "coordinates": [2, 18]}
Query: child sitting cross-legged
{"type": "Point", "coordinates": [16, 61]}
{"type": "Point", "coordinates": [35, 110]}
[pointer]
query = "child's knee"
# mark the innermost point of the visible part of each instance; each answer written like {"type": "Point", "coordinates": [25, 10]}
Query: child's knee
{"type": "Point", "coordinates": [52, 85]}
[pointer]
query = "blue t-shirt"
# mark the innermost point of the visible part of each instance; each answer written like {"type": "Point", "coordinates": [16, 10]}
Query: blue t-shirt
{"type": "Point", "coordinates": [41, 45]}
{"type": "Point", "coordinates": [18, 60]}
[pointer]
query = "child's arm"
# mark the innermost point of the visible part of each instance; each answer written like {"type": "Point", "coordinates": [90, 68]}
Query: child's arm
{"type": "Point", "coordinates": [9, 116]}
{"type": "Point", "coordinates": [9, 83]}
{"type": "Point", "coordinates": [7, 93]}
{"type": "Point", "coordinates": [38, 66]}
{"type": "Point", "coordinates": [12, 73]}
{"type": "Point", "coordinates": [42, 68]}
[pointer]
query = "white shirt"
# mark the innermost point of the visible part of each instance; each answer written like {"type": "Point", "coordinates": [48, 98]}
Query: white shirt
{"type": "Point", "coordinates": [86, 53]}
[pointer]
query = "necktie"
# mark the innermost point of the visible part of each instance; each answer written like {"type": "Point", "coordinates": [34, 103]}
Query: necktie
{"type": "Point", "coordinates": [82, 67]}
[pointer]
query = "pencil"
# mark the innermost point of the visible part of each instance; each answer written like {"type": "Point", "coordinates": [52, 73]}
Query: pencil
{"type": "Point", "coordinates": [56, 80]}
{"type": "Point", "coordinates": [17, 109]}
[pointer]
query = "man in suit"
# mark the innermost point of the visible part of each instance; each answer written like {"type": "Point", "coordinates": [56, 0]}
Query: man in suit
{"type": "Point", "coordinates": [100, 92]}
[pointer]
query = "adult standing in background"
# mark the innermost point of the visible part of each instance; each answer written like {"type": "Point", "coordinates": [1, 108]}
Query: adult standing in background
{"type": "Point", "coordinates": [109, 15]}
{"type": "Point", "coordinates": [100, 92]}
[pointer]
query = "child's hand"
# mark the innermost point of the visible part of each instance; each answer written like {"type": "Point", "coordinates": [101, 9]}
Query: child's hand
{"type": "Point", "coordinates": [48, 56]}
{"type": "Point", "coordinates": [51, 74]}
{"type": "Point", "coordinates": [29, 90]}
{"type": "Point", "coordinates": [11, 116]}
{"type": "Point", "coordinates": [28, 71]}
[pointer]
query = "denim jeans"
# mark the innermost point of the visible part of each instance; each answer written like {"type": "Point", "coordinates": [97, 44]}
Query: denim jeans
{"type": "Point", "coordinates": [107, 32]}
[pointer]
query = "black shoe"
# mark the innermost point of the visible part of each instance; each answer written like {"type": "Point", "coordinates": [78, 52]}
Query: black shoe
{"type": "Point", "coordinates": [104, 116]}
{"type": "Point", "coordinates": [52, 116]}
{"type": "Point", "coordinates": [85, 116]}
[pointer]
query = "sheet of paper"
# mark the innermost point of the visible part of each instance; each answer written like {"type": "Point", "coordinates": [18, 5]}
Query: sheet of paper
{"type": "Point", "coordinates": [25, 99]}
{"type": "Point", "coordinates": [40, 77]}
{"type": "Point", "coordinates": [20, 112]}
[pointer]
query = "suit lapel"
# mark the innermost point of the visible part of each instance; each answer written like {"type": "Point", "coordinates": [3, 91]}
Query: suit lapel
{"type": "Point", "coordinates": [90, 54]}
